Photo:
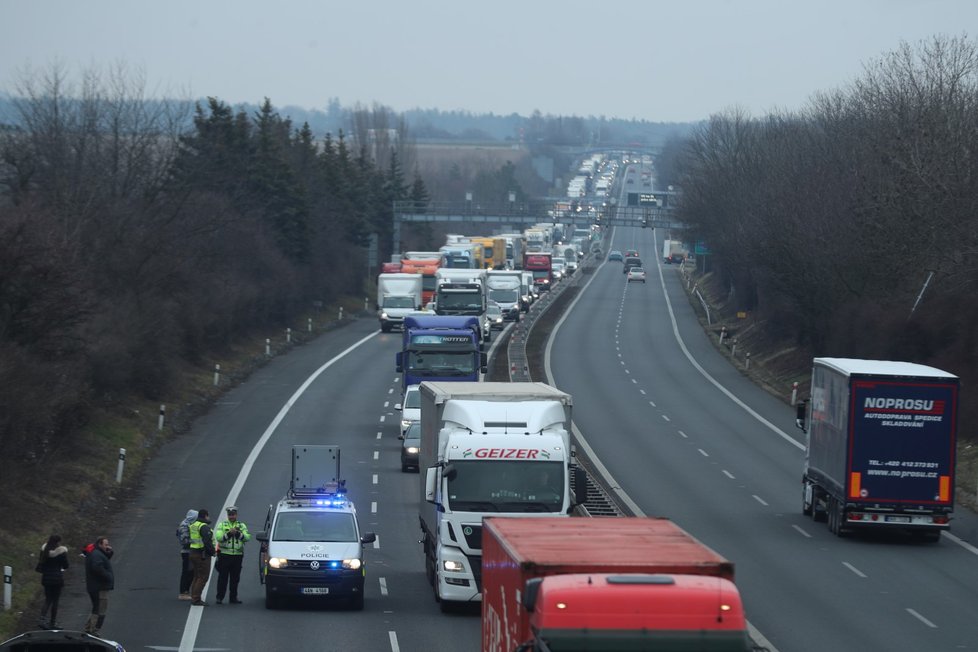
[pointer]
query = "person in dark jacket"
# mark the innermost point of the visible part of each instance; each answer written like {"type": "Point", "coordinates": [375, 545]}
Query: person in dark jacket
{"type": "Point", "coordinates": [186, 568]}
{"type": "Point", "coordinates": [52, 563]}
{"type": "Point", "coordinates": [99, 580]}
{"type": "Point", "coordinates": [201, 551]}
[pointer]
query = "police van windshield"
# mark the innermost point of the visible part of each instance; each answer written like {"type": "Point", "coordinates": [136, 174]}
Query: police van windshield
{"type": "Point", "coordinates": [315, 526]}
{"type": "Point", "coordinates": [506, 486]}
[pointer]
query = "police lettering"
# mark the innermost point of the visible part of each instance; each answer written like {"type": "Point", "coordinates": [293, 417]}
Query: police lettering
{"type": "Point", "coordinates": [507, 453]}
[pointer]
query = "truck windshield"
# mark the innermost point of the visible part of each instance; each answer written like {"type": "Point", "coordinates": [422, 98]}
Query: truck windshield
{"type": "Point", "coordinates": [460, 301]}
{"type": "Point", "coordinates": [441, 363]}
{"type": "Point", "coordinates": [506, 486]}
{"type": "Point", "coordinates": [399, 302]}
{"type": "Point", "coordinates": [504, 296]}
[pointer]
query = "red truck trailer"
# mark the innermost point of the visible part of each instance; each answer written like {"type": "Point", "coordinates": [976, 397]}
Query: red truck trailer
{"type": "Point", "coordinates": [607, 583]}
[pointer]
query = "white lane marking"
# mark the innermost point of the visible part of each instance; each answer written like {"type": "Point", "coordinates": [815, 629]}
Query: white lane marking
{"type": "Point", "coordinates": [729, 474]}
{"type": "Point", "coordinates": [375, 478]}
{"type": "Point", "coordinates": [666, 418]}
{"type": "Point", "coordinates": [394, 646]}
{"type": "Point", "coordinates": [802, 532]}
{"type": "Point", "coordinates": [651, 403]}
{"type": "Point", "coordinates": [192, 625]}
{"type": "Point", "coordinates": [634, 382]}
{"type": "Point", "coordinates": [760, 500]}
{"type": "Point", "coordinates": [964, 544]}
{"type": "Point", "coordinates": [373, 507]}
{"type": "Point", "coordinates": [916, 615]}
{"type": "Point", "coordinates": [377, 543]}
{"type": "Point", "coordinates": [685, 436]}
{"type": "Point", "coordinates": [627, 371]}
{"type": "Point", "coordinates": [703, 452]}
{"type": "Point", "coordinates": [376, 455]}
{"type": "Point", "coordinates": [854, 569]}
{"type": "Point", "coordinates": [379, 434]}
{"type": "Point", "coordinates": [382, 417]}
{"type": "Point", "coordinates": [383, 585]}
{"type": "Point", "coordinates": [386, 404]}
{"type": "Point", "coordinates": [643, 392]}
{"type": "Point", "coordinates": [390, 391]}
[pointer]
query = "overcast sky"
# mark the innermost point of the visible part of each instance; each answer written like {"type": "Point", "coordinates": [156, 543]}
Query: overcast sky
{"type": "Point", "coordinates": [662, 61]}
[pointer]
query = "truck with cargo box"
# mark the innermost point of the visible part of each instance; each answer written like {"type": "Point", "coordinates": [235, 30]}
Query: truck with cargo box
{"type": "Point", "coordinates": [881, 446]}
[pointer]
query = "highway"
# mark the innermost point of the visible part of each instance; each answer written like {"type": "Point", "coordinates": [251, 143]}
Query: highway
{"type": "Point", "coordinates": [681, 431]}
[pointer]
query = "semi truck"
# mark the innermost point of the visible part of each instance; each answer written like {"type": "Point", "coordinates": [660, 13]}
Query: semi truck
{"type": "Point", "coordinates": [462, 255]}
{"type": "Point", "coordinates": [440, 348]}
{"type": "Point", "coordinates": [541, 265]}
{"type": "Point", "coordinates": [488, 449]}
{"type": "Point", "coordinates": [880, 450]}
{"type": "Point", "coordinates": [605, 583]}
{"type": "Point", "coordinates": [515, 244]}
{"type": "Point", "coordinates": [506, 289]}
{"type": "Point", "coordinates": [397, 296]}
{"type": "Point", "coordinates": [425, 263]}
{"type": "Point", "coordinates": [463, 292]}
{"type": "Point", "coordinates": [673, 251]}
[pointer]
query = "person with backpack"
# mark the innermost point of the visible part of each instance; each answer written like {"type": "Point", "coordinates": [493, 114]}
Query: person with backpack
{"type": "Point", "coordinates": [99, 580]}
{"type": "Point", "coordinates": [186, 568]}
{"type": "Point", "coordinates": [51, 564]}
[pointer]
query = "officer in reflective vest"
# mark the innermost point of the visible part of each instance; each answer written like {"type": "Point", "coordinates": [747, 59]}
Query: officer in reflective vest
{"type": "Point", "coordinates": [201, 550]}
{"type": "Point", "coordinates": [231, 536]}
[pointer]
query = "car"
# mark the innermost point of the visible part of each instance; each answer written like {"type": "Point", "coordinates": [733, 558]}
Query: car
{"type": "Point", "coordinates": [495, 316]}
{"type": "Point", "coordinates": [636, 274]}
{"type": "Point", "coordinates": [615, 255]}
{"type": "Point", "coordinates": [631, 253]}
{"type": "Point", "coordinates": [631, 261]}
{"type": "Point", "coordinates": [410, 408]}
{"type": "Point", "coordinates": [312, 547]}
{"type": "Point", "coordinates": [410, 447]}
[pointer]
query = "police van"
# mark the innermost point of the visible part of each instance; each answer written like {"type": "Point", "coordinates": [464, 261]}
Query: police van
{"type": "Point", "coordinates": [311, 545]}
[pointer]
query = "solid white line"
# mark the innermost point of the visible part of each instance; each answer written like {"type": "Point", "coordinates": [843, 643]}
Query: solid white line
{"type": "Point", "coordinates": [760, 500]}
{"type": "Point", "coordinates": [964, 544]}
{"type": "Point", "coordinates": [854, 569]}
{"type": "Point", "coordinates": [729, 474]}
{"type": "Point", "coordinates": [383, 585]}
{"type": "Point", "coordinates": [920, 618]}
{"type": "Point", "coordinates": [193, 618]}
{"type": "Point", "coordinates": [394, 646]}
{"type": "Point", "coordinates": [802, 532]}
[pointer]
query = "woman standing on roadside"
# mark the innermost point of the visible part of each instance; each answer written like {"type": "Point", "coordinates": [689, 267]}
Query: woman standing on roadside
{"type": "Point", "coordinates": [52, 562]}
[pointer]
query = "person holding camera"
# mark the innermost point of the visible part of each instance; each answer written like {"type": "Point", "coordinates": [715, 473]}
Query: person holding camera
{"type": "Point", "coordinates": [231, 536]}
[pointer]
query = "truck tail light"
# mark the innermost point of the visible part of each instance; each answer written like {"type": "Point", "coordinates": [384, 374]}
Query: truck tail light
{"type": "Point", "coordinates": [941, 519]}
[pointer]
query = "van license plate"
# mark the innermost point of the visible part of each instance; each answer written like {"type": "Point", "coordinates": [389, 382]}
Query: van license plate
{"type": "Point", "coordinates": [897, 519]}
{"type": "Point", "coordinates": [316, 590]}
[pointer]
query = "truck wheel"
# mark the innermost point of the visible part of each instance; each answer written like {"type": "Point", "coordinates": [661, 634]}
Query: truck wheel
{"type": "Point", "coordinates": [818, 515]}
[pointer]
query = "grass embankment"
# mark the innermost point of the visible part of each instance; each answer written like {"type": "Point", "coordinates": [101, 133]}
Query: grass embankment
{"type": "Point", "coordinates": [72, 491]}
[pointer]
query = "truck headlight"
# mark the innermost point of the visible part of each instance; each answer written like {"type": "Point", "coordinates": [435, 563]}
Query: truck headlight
{"type": "Point", "coordinates": [278, 562]}
{"type": "Point", "coordinates": [352, 564]}
{"type": "Point", "coordinates": [452, 566]}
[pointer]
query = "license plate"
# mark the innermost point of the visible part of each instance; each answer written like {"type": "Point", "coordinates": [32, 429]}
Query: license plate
{"type": "Point", "coordinates": [315, 590]}
{"type": "Point", "coordinates": [897, 519]}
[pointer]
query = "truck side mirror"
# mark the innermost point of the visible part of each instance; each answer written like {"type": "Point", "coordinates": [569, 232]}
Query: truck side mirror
{"type": "Point", "coordinates": [801, 416]}
{"type": "Point", "coordinates": [530, 592]}
{"type": "Point", "coordinates": [430, 479]}
{"type": "Point", "coordinates": [580, 486]}
{"type": "Point", "coordinates": [484, 363]}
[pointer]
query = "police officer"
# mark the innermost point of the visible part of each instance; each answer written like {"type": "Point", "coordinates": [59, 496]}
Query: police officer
{"type": "Point", "coordinates": [231, 536]}
{"type": "Point", "coordinates": [201, 550]}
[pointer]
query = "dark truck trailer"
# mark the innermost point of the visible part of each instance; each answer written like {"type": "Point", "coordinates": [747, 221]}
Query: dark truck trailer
{"type": "Point", "coordinates": [881, 446]}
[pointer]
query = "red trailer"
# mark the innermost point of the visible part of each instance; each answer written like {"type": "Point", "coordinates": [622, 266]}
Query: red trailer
{"type": "Point", "coordinates": [605, 583]}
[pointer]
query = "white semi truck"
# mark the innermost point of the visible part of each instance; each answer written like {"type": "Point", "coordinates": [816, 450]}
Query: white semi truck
{"type": "Point", "coordinates": [488, 449]}
{"type": "Point", "coordinates": [506, 289]}
{"type": "Point", "coordinates": [398, 295]}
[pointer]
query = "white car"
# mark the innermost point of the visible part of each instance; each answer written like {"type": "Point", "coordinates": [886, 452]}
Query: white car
{"type": "Point", "coordinates": [410, 408]}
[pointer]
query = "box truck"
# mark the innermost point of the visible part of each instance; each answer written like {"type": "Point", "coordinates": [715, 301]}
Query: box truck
{"type": "Point", "coordinates": [605, 583]}
{"type": "Point", "coordinates": [488, 449]}
{"type": "Point", "coordinates": [881, 446]}
{"type": "Point", "coordinates": [398, 295]}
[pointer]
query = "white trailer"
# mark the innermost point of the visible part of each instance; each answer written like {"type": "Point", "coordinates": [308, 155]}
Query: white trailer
{"type": "Point", "coordinates": [398, 295]}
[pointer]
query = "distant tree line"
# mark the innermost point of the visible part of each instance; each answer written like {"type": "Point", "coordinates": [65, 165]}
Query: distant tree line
{"type": "Point", "coordinates": [130, 243]}
{"type": "Point", "coordinates": [831, 223]}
